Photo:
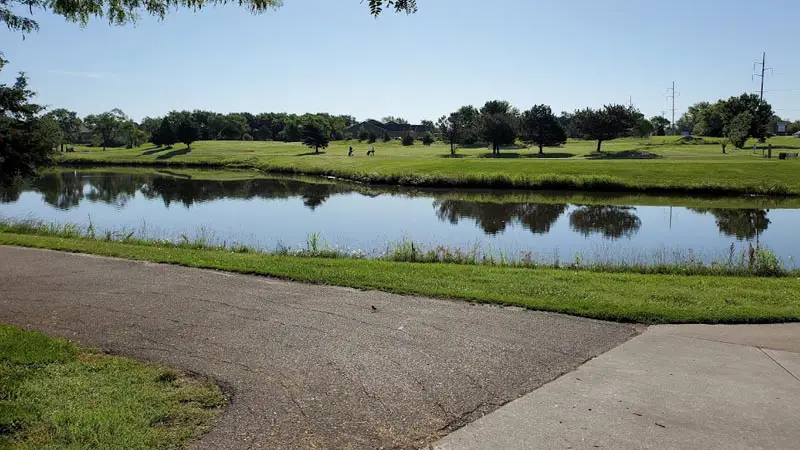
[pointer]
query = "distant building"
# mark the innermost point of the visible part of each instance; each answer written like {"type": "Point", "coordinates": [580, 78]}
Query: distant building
{"type": "Point", "coordinates": [393, 129]}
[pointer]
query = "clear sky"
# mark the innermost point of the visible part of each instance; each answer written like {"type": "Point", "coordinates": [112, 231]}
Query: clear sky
{"type": "Point", "coordinates": [332, 56]}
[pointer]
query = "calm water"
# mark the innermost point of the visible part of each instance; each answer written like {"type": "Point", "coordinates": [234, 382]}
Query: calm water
{"type": "Point", "coordinates": [267, 211]}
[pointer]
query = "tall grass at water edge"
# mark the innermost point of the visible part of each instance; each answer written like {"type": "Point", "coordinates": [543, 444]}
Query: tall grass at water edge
{"type": "Point", "coordinates": [748, 260]}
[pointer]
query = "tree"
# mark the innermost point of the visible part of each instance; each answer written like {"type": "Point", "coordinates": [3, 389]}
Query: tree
{"type": "Point", "coordinates": [363, 135]}
{"type": "Point", "coordinates": [760, 114]}
{"type": "Point", "coordinates": [165, 135]}
{"type": "Point", "coordinates": [315, 135]}
{"type": "Point", "coordinates": [427, 139]}
{"type": "Point", "coordinates": [120, 13]}
{"type": "Point", "coordinates": [106, 125]}
{"type": "Point", "coordinates": [541, 127]}
{"type": "Point", "coordinates": [428, 124]}
{"type": "Point", "coordinates": [642, 127]}
{"type": "Point", "coordinates": [27, 141]}
{"type": "Point", "coordinates": [187, 130]}
{"type": "Point", "coordinates": [469, 118]}
{"type": "Point", "coordinates": [498, 124]}
{"type": "Point", "coordinates": [610, 122]}
{"type": "Point", "coordinates": [407, 140]}
{"type": "Point", "coordinates": [738, 131]}
{"type": "Point", "coordinates": [450, 129]}
{"type": "Point", "coordinates": [386, 137]}
{"type": "Point", "coordinates": [394, 119]}
{"type": "Point", "coordinates": [69, 123]}
{"type": "Point", "coordinates": [372, 137]}
{"type": "Point", "coordinates": [660, 125]}
{"type": "Point", "coordinates": [132, 134]}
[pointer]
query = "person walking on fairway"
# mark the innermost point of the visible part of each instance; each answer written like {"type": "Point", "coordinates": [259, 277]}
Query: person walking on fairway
{"type": "Point", "coordinates": [350, 153]}
{"type": "Point", "coordinates": [371, 151]}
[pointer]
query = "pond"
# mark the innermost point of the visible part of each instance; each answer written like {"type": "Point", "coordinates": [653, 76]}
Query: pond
{"type": "Point", "coordinates": [266, 211]}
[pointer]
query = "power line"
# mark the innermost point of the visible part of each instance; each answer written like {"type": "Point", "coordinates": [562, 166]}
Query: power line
{"type": "Point", "coordinates": [764, 68]}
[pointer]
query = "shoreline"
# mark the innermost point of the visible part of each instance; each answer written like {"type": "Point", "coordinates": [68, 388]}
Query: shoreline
{"type": "Point", "coordinates": [551, 182]}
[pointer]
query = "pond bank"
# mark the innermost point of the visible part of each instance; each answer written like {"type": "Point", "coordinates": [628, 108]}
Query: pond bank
{"type": "Point", "coordinates": [619, 296]}
{"type": "Point", "coordinates": [611, 176]}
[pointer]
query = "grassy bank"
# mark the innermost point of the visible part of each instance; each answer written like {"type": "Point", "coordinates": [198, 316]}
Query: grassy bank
{"type": "Point", "coordinates": [655, 166]}
{"type": "Point", "coordinates": [54, 394]}
{"type": "Point", "coordinates": [622, 296]}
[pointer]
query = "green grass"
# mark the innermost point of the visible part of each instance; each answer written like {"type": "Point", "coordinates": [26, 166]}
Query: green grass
{"type": "Point", "coordinates": [56, 395]}
{"type": "Point", "coordinates": [676, 167]}
{"type": "Point", "coordinates": [620, 296]}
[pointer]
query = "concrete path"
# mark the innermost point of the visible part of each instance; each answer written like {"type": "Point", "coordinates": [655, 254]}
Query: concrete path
{"type": "Point", "coordinates": [673, 387]}
{"type": "Point", "coordinates": [308, 366]}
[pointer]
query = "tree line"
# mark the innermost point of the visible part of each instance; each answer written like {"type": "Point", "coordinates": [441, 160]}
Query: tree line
{"type": "Point", "coordinates": [498, 124]}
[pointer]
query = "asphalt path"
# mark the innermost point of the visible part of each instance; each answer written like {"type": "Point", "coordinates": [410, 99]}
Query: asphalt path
{"type": "Point", "coordinates": [305, 366]}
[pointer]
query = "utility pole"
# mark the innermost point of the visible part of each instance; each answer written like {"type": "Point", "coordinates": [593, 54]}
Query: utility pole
{"type": "Point", "coordinates": [672, 96]}
{"type": "Point", "coordinates": [764, 69]}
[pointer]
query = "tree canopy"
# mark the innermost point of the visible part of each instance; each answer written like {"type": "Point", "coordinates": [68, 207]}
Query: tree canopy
{"type": "Point", "coordinates": [498, 124]}
{"type": "Point", "coordinates": [27, 140]}
{"type": "Point", "coordinates": [605, 124]}
{"type": "Point", "coordinates": [541, 127]}
{"type": "Point", "coordinates": [315, 136]}
{"type": "Point", "coordinates": [121, 12]}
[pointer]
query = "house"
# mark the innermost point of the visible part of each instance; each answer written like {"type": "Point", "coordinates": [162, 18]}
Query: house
{"type": "Point", "coordinates": [393, 129]}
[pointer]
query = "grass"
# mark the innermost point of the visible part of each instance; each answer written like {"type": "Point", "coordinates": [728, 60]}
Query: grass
{"type": "Point", "coordinates": [674, 167]}
{"type": "Point", "coordinates": [622, 296]}
{"type": "Point", "coordinates": [56, 395]}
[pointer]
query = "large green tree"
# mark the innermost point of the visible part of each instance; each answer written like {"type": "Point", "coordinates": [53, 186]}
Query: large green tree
{"type": "Point", "coordinates": [660, 125]}
{"type": "Point", "coordinates": [498, 124]}
{"type": "Point", "coordinates": [608, 123]}
{"type": "Point", "coordinates": [315, 135]}
{"type": "Point", "coordinates": [738, 130]}
{"type": "Point", "coordinates": [27, 140]}
{"type": "Point", "coordinates": [759, 110]}
{"type": "Point", "coordinates": [187, 130]}
{"type": "Point", "coordinates": [541, 127]}
{"type": "Point", "coordinates": [105, 126]}
{"type": "Point", "coordinates": [68, 122]}
{"type": "Point", "coordinates": [166, 134]}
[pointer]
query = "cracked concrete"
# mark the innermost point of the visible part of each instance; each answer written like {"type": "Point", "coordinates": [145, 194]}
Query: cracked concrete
{"type": "Point", "coordinates": [672, 387]}
{"type": "Point", "coordinates": [308, 366]}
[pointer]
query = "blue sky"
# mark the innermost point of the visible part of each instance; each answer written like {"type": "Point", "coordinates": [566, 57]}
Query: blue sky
{"type": "Point", "coordinates": [331, 56]}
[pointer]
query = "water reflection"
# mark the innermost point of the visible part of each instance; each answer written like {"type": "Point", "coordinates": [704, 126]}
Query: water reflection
{"type": "Point", "coordinates": [493, 218]}
{"type": "Point", "coordinates": [740, 223]}
{"type": "Point", "coordinates": [66, 190]}
{"type": "Point", "coordinates": [613, 222]}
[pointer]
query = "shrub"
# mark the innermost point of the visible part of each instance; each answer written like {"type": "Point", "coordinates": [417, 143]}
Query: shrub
{"type": "Point", "coordinates": [427, 139]}
{"type": "Point", "coordinates": [408, 140]}
{"type": "Point", "coordinates": [372, 137]}
{"type": "Point", "coordinates": [247, 137]}
{"type": "Point", "coordinates": [386, 137]}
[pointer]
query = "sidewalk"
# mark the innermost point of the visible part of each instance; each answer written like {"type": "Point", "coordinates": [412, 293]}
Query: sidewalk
{"type": "Point", "coordinates": [673, 387]}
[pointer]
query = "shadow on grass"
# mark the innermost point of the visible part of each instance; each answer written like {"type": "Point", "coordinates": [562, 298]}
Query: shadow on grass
{"type": "Point", "coordinates": [174, 174]}
{"type": "Point", "coordinates": [625, 154]}
{"type": "Point", "coordinates": [535, 155]}
{"type": "Point", "coordinates": [169, 155]}
{"type": "Point", "coordinates": [310, 153]}
{"type": "Point", "coordinates": [449, 156]}
{"type": "Point", "coordinates": [774, 147]}
{"type": "Point", "coordinates": [153, 150]}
